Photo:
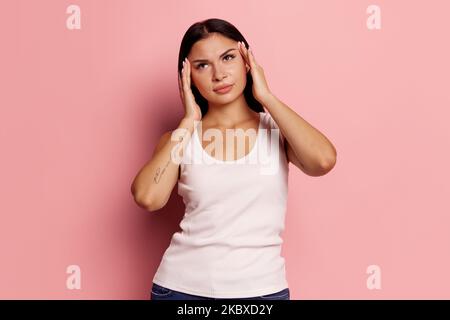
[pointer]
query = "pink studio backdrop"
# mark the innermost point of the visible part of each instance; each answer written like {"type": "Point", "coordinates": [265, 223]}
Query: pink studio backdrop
{"type": "Point", "coordinates": [81, 111]}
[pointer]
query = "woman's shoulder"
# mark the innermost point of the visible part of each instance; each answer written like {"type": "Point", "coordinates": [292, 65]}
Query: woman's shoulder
{"type": "Point", "coordinates": [266, 117]}
{"type": "Point", "coordinates": [270, 124]}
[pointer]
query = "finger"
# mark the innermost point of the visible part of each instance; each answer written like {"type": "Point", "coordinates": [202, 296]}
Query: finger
{"type": "Point", "coordinates": [183, 75]}
{"type": "Point", "coordinates": [188, 71]}
{"type": "Point", "coordinates": [183, 79]}
{"type": "Point", "coordinates": [186, 74]}
{"type": "Point", "coordinates": [251, 56]}
{"type": "Point", "coordinates": [180, 86]}
{"type": "Point", "coordinates": [244, 52]}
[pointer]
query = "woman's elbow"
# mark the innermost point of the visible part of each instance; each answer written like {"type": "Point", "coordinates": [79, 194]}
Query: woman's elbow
{"type": "Point", "coordinates": [145, 200]}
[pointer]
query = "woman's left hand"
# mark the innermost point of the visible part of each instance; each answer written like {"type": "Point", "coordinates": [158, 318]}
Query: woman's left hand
{"type": "Point", "coordinates": [260, 88]}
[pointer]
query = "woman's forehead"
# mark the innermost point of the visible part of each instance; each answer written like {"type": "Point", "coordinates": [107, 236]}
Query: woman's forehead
{"type": "Point", "coordinates": [211, 46]}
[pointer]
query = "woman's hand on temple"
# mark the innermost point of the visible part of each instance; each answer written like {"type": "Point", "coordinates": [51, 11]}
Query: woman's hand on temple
{"type": "Point", "coordinates": [260, 88]}
{"type": "Point", "coordinates": [192, 109]}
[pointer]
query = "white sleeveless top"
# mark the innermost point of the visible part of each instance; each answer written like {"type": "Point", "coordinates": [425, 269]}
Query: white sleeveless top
{"type": "Point", "coordinates": [230, 241]}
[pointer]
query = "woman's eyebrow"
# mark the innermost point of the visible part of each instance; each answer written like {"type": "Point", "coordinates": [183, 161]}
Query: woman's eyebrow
{"type": "Point", "coordinates": [205, 60]}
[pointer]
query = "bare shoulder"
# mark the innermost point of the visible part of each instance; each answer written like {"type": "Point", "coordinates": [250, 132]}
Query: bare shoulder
{"type": "Point", "coordinates": [166, 135]}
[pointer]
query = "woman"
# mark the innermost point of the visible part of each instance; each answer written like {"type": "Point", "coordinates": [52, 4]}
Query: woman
{"type": "Point", "coordinates": [229, 246]}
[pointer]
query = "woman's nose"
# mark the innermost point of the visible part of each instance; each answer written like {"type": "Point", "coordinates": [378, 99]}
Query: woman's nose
{"type": "Point", "coordinates": [218, 73]}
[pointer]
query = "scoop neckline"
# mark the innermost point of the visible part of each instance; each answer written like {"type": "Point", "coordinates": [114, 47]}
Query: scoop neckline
{"type": "Point", "coordinates": [244, 158]}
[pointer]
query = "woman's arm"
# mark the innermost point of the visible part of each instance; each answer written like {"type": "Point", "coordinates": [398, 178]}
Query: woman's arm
{"type": "Point", "coordinates": [152, 186]}
{"type": "Point", "coordinates": [307, 148]}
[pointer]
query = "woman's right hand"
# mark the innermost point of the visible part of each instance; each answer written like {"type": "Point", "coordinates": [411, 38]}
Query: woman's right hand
{"type": "Point", "coordinates": [192, 109]}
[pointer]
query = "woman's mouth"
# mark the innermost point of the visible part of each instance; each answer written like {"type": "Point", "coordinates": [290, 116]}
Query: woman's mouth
{"type": "Point", "coordinates": [224, 90]}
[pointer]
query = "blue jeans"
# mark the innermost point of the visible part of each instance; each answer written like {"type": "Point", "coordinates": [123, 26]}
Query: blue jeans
{"type": "Point", "coordinates": [163, 293]}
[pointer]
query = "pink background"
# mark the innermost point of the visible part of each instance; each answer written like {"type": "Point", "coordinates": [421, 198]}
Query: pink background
{"type": "Point", "coordinates": [81, 111]}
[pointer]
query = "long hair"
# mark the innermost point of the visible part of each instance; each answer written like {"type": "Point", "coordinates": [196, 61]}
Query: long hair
{"type": "Point", "coordinates": [201, 30]}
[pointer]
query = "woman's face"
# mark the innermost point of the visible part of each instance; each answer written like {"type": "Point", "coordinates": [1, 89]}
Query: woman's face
{"type": "Point", "coordinates": [216, 61]}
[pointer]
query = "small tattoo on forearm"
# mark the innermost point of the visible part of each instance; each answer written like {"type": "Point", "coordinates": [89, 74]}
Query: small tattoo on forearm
{"type": "Point", "coordinates": [159, 173]}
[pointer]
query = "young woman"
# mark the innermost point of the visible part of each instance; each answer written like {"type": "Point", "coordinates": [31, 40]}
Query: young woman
{"type": "Point", "coordinates": [230, 244]}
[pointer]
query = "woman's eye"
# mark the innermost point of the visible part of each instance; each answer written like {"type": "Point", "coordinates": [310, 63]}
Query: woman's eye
{"type": "Point", "coordinates": [228, 55]}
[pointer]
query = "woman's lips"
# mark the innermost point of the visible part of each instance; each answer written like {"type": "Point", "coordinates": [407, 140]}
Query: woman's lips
{"type": "Point", "coordinates": [224, 90]}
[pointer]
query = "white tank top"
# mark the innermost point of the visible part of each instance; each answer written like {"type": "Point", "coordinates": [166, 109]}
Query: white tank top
{"type": "Point", "coordinates": [230, 241]}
